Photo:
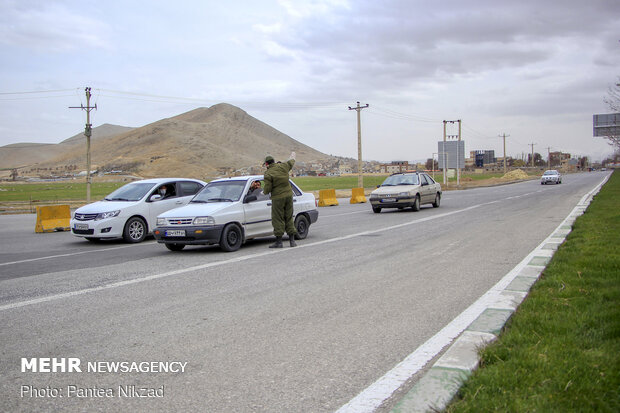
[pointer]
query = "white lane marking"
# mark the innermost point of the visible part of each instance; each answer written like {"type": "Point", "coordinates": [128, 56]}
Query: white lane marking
{"type": "Point", "coordinates": [70, 254]}
{"type": "Point", "coordinates": [374, 395]}
{"type": "Point", "coordinates": [224, 262]}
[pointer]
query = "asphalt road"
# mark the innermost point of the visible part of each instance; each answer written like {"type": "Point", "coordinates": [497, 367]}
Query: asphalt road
{"type": "Point", "coordinates": [294, 330]}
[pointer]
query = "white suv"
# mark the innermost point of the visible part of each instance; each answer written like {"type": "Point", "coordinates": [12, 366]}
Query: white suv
{"type": "Point", "coordinates": [225, 212]}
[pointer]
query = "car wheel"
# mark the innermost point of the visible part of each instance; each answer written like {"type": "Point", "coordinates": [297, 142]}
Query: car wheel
{"type": "Point", "coordinates": [93, 239]}
{"type": "Point", "coordinates": [135, 230]}
{"type": "Point", "coordinates": [175, 247]}
{"type": "Point", "coordinates": [376, 210]}
{"type": "Point", "coordinates": [231, 238]}
{"type": "Point", "coordinates": [416, 203]}
{"type": "Point", "coordinates": [302, 226]}
{"type": "Point", "coordinates": [437, 200]}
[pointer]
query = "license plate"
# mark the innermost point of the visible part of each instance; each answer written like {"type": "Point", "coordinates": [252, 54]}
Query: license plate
{"type": "Point", "coordinates": [387, 200]}
{"type": "Point", "coordinates": [81, 226]}
{"type": "Point", "coordinates": [175, 233]}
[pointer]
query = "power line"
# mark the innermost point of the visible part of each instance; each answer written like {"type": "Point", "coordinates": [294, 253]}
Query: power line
{"type": "Point", "coordinates": [37, 91]}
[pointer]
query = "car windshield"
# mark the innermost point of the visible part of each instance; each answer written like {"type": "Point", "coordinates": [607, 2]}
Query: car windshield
{"type": "Point", "coordinates": [221, 191]}
{"type": "Point", "coordinates": [401, 180]}
{"type": "Point", "coordinates": [551, 172]}
{"type": "Point", "coordinates": [130, 192]}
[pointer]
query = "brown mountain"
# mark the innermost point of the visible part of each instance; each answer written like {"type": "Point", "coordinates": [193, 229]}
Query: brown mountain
{"type": "Point", "coordinates": [29, 154]}
{"type": "Point", "coordinates": [199, 143]}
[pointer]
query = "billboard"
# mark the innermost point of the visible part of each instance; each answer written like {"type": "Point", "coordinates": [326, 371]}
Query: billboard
{"type": "Point", "coordinates": [607, 124]}
{"type": "Point", "coordinates": [450, 152]}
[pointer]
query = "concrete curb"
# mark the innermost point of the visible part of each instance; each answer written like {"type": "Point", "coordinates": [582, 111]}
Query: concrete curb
{"type": "Point", "coordinates": [434, 391]}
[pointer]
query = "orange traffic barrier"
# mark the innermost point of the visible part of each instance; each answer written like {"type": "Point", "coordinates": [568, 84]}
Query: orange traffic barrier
{"type": "Point", "coordinates": [327, 197]}
{"type": "Point", "coordinates": [53, 218]}
{"type": "Point", "coordinates": [357, 196]}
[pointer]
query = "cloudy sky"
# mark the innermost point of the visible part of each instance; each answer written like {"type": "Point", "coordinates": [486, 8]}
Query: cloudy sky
{"type": "Point", "coordinates": [534, 70]}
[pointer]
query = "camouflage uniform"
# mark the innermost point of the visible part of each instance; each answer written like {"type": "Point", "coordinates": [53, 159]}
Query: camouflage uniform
{"type": "Point", "coordinates": [277, 183]}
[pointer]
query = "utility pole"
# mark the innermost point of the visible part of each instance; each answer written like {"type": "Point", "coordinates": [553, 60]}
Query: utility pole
{"type": "Point", "coordinates": [87, 133]}
{"type": "Point", "coordinates": [504, 135]}
{"type": "Point", "coordinates": [458, 158]}
{"type": "Point", "coordinates": [549, 157]}
{"type": "Point", "coordinates": [360, 176]}
{"type": "Point", "coordinates": [532, 145]}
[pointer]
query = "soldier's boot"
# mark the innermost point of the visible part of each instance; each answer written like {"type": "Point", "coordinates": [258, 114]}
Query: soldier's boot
{"type": "Point", "coordinates": [291, 239]}
{"type": "Point", "coordinates": [277, 244]}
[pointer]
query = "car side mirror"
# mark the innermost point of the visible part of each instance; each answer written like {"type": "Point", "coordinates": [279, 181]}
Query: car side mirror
{"type": "Point", "coordinates": [249, 198]}
{"type": "Point", "coordinates": [424, 183]}
{"type": "Point", "coordinates": [155, 197]}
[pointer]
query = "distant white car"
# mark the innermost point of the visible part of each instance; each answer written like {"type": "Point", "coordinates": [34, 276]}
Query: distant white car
{"type": "Point", "coordinates": [130, 212]}
{"type": "Point", "coordinates": [226, 212]}
{"type": "Point", "coordinates": [551, 177]}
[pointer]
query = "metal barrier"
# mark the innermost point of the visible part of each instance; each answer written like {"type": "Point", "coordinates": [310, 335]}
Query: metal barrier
{"type": "Point", "coordinates": [53, 218]}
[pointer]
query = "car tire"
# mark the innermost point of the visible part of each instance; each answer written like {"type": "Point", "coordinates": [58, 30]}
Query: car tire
{"type": "Point", "coordinates": [175, 247]}
{"type": "Point", "coordinates": [135, 230]}
{"type": "Point", "coordinates": [416, 203]}
{"type": "Point", "coordinates": [302, 226]}
{"type": "Point", "coordinates": [437, 200]}
{"type": "Point", "coordinates": [376, 210]}
{"type": "Point", "coordinates": [231, 238]}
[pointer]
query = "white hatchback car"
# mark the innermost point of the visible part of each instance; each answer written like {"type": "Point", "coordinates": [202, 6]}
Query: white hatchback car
{"type": "Point", "coordinates": [228, 213]}
{"type": "Point", "coordinates": [130, 212]}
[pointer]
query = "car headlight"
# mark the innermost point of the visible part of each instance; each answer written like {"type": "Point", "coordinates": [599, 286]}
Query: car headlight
{"type": "Point", "coordinates": [404, 194]}
{"type": "Point", "coordinates": [161, 222]}
{"type": "Point", "coordinates": [105, 215]}
{"type": "Point", "coordinates": [374, 195]}
{"type": "Point", "coordinates": [204, 221]}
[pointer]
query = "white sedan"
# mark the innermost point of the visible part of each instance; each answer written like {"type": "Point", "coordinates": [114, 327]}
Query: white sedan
{"type": "Point", "coordinates": [551, 177]}
{"type": "Point", "coordinates": [404, 190]}
{"type": "Point", "coordinates": [130, 211]}
{"type": "Point", "coordinates": [227, 212]}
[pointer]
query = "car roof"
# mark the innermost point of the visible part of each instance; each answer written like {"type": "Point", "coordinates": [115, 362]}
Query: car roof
{"type": "Point", "coordinates": [240, 178]}
{"type": "Point", "coordinates": [407, 173]}
{"type": "Point", "coordinates": [162, 180]}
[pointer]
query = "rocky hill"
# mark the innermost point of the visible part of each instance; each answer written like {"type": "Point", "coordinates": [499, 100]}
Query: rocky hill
{"type": "Point", "coordinates": [200, 143]}
{"type": "Point", "coordinates": [28, 154]}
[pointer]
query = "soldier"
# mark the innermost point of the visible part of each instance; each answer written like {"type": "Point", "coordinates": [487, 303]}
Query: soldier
{"type": "Point", "coordinates": [277, 183]}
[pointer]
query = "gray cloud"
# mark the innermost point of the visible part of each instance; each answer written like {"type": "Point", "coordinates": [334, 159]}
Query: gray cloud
{"type": "Point", "coordinates": [398, 43]}
{"type": "Point", "coordinates": [48, 26]}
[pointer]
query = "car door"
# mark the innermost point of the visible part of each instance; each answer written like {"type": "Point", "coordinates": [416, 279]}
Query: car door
{"type": "Point", "coordinates": [160, 206]}
{"type": "Point", "coordinates": [257, 215]}
{"type": "Point", "coordinates": [435, 187]}
{"type": "Point", "coordinates": [425, 189]}
{"type": "Point", "coordinates": [297, 202]}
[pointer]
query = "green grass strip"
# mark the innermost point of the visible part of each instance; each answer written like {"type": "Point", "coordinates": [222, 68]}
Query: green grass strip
{"type": "Point", "coordinates": [560, 352]}
{"type": "Point", "coordinates": [55, 191]}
